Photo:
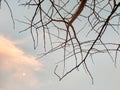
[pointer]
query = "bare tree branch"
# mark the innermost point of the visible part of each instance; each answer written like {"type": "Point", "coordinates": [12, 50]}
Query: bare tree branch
{"type": "Point", "coordinates": [79, 28]}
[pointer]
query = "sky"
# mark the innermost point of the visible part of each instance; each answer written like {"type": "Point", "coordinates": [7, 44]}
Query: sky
{"type": "Point", "coordinates": [20, 69]}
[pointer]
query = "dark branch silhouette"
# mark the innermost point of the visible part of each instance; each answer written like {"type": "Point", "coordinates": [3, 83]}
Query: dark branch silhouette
{"type": "Point", "coordinates": [69, 22]}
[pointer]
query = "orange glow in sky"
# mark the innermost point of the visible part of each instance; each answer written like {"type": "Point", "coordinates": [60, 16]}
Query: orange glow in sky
{"type": "Point", "coordinates": [21, 66]}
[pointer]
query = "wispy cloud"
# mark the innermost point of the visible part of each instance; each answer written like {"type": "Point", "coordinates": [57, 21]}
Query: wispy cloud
{"type": "Point", "coordinates": [16, 67]}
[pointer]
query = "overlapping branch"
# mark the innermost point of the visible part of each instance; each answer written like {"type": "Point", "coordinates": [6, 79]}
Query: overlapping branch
{"type": "Point", "coordinates": [68, 22]}
{"type": "Point", "coordinates": [57, 14]}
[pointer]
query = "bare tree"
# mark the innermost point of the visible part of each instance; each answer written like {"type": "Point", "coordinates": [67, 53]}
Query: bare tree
{"type": "Point", "coordinates": [78, 25]}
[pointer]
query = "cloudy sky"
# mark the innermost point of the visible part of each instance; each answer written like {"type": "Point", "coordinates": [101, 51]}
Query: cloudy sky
{"type": "Point", "coordinates": [21, 70]}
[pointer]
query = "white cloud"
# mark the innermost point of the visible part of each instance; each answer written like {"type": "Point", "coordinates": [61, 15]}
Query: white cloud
{"type": "Point", "coordinates": [17, 68]}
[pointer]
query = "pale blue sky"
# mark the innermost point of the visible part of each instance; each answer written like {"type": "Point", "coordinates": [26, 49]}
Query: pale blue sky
{"type": "Point", "coordinates": [29, 74]}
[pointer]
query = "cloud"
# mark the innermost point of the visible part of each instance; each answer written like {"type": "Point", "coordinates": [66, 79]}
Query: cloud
{"type": "Point", "coordinates": [17, 68]}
